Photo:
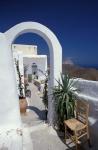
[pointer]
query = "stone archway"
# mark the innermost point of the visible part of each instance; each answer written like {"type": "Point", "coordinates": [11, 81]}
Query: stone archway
{"type": "Point", "coordinates": [55, 57]}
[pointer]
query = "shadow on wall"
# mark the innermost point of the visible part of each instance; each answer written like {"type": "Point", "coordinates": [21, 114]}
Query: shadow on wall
{"type": "Point", "coordinates": [88, 90]}
{"type": "Point", "coordinates": [40, 113]}
{"type": "Point", "coordinates": [93, 121]}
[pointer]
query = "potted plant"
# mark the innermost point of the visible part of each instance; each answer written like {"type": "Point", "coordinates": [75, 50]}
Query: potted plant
{"type": "Point", "coordinates": [64, 99]}
{"type": "Point", "coordinates": [22, 99]}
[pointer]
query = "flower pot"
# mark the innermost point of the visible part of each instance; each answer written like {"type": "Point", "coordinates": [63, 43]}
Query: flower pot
{"type": "Point", "coordinates": [23, 105]}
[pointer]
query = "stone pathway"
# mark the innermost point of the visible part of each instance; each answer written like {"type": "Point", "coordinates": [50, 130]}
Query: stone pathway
{"type": "Point", "coordinates": [36, 110]}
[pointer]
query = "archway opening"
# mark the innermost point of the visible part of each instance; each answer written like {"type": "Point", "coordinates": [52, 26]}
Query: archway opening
{"type": "Point", "coordinates": [33, 43]}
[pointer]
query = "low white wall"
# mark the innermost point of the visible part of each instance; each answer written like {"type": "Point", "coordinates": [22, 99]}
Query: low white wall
{"type": "Point", "coordinates": [88, 90]}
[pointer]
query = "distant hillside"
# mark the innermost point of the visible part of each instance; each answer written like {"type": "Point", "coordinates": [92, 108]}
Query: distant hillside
{"type": "Point", "coordinates": [80, 72]}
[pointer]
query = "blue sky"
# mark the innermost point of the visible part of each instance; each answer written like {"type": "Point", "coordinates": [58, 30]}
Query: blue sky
{"type": "Point", "coordinates": [75, 23]}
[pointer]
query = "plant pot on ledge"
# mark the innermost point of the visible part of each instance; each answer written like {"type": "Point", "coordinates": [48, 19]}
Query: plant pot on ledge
{"type": "Point", "coordinates": [23, 105]}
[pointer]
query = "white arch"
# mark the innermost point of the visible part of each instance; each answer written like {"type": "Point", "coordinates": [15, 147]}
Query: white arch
{"type": "Point", "coordinates": [54, 48]}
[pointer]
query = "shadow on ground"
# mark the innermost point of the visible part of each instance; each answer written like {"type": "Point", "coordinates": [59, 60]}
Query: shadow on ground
{"type": "Point", "coordinates": [42, 114]}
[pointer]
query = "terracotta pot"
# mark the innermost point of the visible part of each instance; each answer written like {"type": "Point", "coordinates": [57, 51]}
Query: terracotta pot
{"type": "Point", "coordinates": [23, 105]}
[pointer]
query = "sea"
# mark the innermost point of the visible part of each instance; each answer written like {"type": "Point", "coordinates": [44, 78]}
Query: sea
{"type": "Point", "coordinates": [88, 66]}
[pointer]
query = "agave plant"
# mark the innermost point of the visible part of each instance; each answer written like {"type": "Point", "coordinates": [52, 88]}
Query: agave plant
{"type": "Point", "coordinates": [64, 99]}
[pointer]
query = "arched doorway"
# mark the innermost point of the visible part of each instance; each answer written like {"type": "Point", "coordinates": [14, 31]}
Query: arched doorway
{"type": "Point", "coordinates": [55, 53]}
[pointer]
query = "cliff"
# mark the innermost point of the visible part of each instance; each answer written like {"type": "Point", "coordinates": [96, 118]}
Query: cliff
{"type": "Point", "coordinates": [80, 72]}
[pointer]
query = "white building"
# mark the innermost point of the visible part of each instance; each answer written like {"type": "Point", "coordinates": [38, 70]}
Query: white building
{"type": "Point", "coordinates": [36, 64]}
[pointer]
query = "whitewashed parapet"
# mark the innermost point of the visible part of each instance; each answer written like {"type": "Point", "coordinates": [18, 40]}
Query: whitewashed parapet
{"type": "Point", "coordinates": [88, 90]}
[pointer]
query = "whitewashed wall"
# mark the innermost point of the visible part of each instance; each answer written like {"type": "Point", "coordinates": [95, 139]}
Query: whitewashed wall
{"type": "Point", "coordinates": [10, 121]}
{"type": "Point", "coordinates": [25, 49]}
{"type": "Point", "coordinates": [41, 62]}
{"type": "Point", "coordinates": [88, 90]}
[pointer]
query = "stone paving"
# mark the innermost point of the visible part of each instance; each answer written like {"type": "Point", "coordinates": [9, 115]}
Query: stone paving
{"type": "Point", "coordinates": [37, 134]}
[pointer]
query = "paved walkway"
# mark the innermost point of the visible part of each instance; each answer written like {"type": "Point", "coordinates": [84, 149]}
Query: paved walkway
{"type": "Point", "coordinates": [36, 110]}
{"type": "Point", "coordinates": [37, 134]}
